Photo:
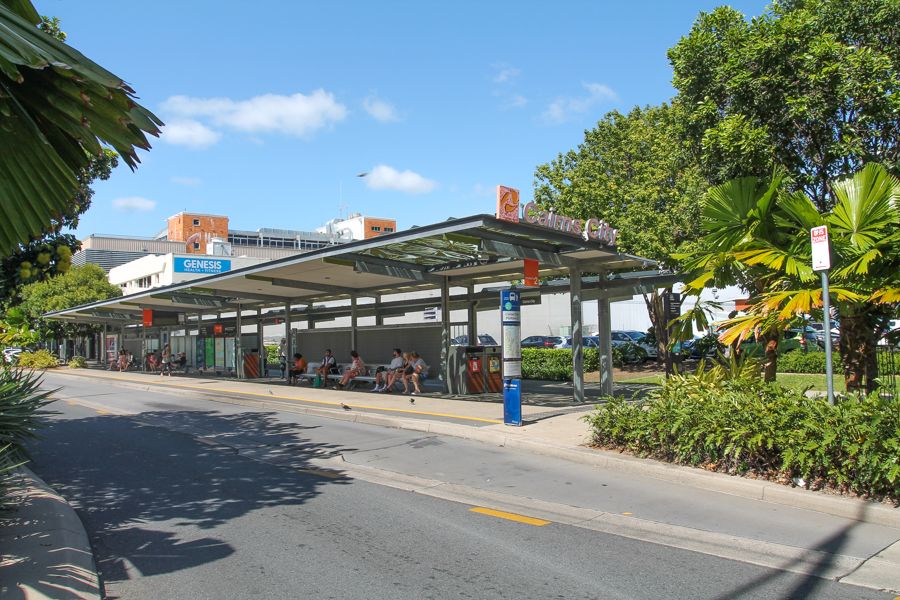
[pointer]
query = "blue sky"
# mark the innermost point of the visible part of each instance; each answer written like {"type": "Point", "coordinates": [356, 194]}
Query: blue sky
{"type": "Point", "coordinates": [273, 108]}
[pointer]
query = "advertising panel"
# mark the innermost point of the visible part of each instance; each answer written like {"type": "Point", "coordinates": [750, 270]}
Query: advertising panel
{"type": "Point", "coordinates": [203, 266]}
{"type": "Point", "coordinates": [510, 321]}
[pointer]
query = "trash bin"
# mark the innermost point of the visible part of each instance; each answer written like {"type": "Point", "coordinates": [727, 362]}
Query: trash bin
{"type": "Point", "coordinates": [493, 359]}
{"type": "Point", "coordinates": [474, 370]}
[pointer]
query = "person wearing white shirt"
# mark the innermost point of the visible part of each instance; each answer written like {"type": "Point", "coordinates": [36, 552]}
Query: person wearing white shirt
{"type": "Point", "coordinates": [384, 377]}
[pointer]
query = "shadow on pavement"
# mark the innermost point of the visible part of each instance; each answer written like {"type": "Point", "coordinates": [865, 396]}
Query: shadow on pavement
{"type": "Point", "coordinates": [808, 583]}
{"type": "Point", "coordinates": [143, 489]}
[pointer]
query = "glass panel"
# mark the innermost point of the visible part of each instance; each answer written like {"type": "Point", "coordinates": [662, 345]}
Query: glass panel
{"type": "Point", "coordinates": [229, 353]}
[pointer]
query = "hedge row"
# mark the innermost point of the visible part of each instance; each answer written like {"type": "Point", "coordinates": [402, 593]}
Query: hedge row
{"type": "Point", "coordinates": [814, 362]}
{"type": "Point", "coordinates": [555, 364]}
{"type": "Point", "coordinates": [739, 427]}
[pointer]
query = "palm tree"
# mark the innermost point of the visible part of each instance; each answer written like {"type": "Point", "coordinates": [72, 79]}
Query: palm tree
{"type": "Point", "coordinates": [57, 110]}
{"type": "Point", "coordinates": [741, 230]}
{"type": "Point", "coordinates": [864, 229]}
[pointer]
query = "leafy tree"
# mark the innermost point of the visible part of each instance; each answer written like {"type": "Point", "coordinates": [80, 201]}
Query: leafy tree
{"type": "Point", "coordinates": [77, 286]}
{"type": "Point", "coordinates": [58, 108]}
{"type": "Point", "coordinates": [633, 171]}
{"type": "Point", "coordinates": [812, 86]}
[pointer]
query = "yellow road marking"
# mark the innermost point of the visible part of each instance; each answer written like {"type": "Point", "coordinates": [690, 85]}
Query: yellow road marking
{"type": "Point", "coordinates": [322, 402]}
{"type": "Point", "coordinates": [509, 516]}
{"type": "Point", "coordinates": [627, 514]}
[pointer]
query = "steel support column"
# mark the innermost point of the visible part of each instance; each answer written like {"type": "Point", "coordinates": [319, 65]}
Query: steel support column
{"type": "Point", "coordinates": [260, 343]}
{"type": "Point", "coordinates": [471, 317]}
{"type": "Point", "coordinates": [577, 342]}
{"type": "Point", "coordinates": [445, 334]}
{"type": "Point", "coordinates": [238, 351]}
{"type": "Point", "coordinates": [288, 342]}
{"type": "Point", "coordinates": [354, 319]}
{"type": "Point", "coordinates": [604, 325]}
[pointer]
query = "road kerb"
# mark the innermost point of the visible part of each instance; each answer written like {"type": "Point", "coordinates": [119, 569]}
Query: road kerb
{"type": "Point", "coordinates": [46, 551]}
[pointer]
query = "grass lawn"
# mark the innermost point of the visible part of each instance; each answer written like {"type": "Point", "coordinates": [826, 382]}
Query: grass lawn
{"type": "Point", "coordinates": [797, 381]}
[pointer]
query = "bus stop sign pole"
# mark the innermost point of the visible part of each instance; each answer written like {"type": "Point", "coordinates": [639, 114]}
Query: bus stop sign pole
{"type": "Point", "coordinates": [511, 325]}
{"type": "Point", "coordinates": [821, 262]}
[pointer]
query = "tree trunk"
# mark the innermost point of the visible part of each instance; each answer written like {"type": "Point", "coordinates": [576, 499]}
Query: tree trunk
{"type": "Point", "coordinates": [852, 351]}
{"type": "Point", "coordinates": [655, 310]}
{"type": "Point", "coordinates": [770, 369]}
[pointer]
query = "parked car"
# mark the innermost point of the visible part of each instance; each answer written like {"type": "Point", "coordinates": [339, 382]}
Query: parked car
{"type": "Point", "coordinates": [11, 355]}
{"type": "Point", "coordinates": [636, 337]}
{"type": "Point", "coordinates": [541, 341]}
{"type": "Point", "coordinates": [819, 328]}
{"type": "Point", "coordinates": [588, 341]}
{"type": "Point", "coordinates": [701, 346]}
{"type": "Point", "coordinates": [483, 340]}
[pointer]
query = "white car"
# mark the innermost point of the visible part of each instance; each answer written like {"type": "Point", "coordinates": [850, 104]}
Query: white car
{"type": "Point", "coordinates": [11, 355]}
{"type": "Point", "coordinates": [635, 337]}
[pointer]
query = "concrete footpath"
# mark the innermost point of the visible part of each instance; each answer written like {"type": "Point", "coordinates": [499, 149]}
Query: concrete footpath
{"type": "Point", "coordinates": [44, 549]}
{"type": "Point", "coordinates": [552, 431]}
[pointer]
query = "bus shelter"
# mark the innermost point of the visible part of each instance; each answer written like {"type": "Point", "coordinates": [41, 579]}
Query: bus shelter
{"type": "Point", "coordinates": [455, 265]}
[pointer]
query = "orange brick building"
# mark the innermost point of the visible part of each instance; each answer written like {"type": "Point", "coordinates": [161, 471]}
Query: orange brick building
{"type": "Point", "coordinates": [195, 230]}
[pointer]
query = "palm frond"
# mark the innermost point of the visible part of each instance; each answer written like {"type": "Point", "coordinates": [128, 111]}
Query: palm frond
{"type": "Point", "coordinates": [58, 107]}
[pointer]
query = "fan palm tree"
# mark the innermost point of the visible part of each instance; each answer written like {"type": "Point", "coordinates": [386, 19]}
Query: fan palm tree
{"type": "Point", "coordinates": [57, 110]}
{"type": "Point", "coordinates": [864, 230]}
{"type": "Point", "coordinates": [741, 225]}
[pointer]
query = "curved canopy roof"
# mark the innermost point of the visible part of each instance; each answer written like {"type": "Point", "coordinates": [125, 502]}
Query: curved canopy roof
{"type": "Point", "coordinates": [472, 250]}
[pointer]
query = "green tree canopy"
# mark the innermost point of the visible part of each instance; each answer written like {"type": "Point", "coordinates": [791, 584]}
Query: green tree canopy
{"type": "Point", "coordinates": [633, 171]}
{"type": "Point", "coordinates": [77, 286]}
{"type": "Point", "coordinates": [812, 86]}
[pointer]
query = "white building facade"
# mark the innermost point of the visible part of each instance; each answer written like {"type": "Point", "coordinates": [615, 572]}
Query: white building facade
{"type": "Point", "coordinates": [156, 270]}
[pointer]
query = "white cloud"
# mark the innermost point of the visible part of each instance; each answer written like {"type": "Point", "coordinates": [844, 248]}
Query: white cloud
{"type": "Point", "coordinates": [515, 101]}
{"type": "Point", "coordinates": [300, 115]}
{"type": "Point", "coordinates": [505, 73]}
{"type": "Point", "coordinates": [383, 177]}
{"type": "Point", "coordinates": [380, 110]}
{"type": "Point", "coordinates": [190, 133]}
{"type": "Point", "coordinates": [562, 109]}
{"type": "Point", "coordinates": [186, 181]}
{"type": "Point", "coordinates": [134, 204]}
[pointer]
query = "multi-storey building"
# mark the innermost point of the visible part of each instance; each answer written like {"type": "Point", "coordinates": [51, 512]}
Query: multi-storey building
{"type": "Point", "coordinates": [197, 233]}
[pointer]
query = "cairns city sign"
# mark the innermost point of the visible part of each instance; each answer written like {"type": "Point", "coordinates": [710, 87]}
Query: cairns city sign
{"type": "Point", "coordinates": [588, 229]}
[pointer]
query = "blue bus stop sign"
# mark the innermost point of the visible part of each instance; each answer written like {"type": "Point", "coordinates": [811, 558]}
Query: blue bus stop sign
{"type": "Point", "coordinates": [511, 324]}
{"type": "Point", "coordinates": [512, 402]}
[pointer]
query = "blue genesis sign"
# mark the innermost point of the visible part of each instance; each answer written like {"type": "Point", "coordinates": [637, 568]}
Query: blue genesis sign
{"type": "Point", "coordinates": [204, 266]}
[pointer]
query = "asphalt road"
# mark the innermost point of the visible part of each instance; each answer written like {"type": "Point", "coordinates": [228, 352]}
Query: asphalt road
{"type": "Point", "coordinates": [190, 498]}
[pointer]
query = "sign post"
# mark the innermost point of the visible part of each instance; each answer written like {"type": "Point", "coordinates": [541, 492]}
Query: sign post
{"type": "Point", "coordinates": [821, 262]}
{"type": "Point", "coordinates": [672, 310]}
{"type": "Point", "coordinates": [511, 324]}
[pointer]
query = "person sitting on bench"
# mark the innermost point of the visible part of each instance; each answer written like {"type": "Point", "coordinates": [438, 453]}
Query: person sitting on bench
{"type": "Point", "coordinates": [299, 367]}
{"type": "Point", "coordinates": [384, 377]}
{"type": "Point", "coordinates": [327, 365]}
{"type": "Point", "coordinates": [417, 372]}
{"type": "Point", "coordinates": [357, 367]}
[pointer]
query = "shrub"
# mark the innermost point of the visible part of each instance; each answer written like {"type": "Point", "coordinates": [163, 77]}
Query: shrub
{"type": "Point", "coordinates": [803, 362]}
{"type": "Point", "coordinates": [555, 364]}
{"type": "Point", "coordinates": [272, 355]}
{"type": "Point", "coordinates": [20, 399]}
{"type": "Point", "coordinates": [40, 359]}
{"type": "Point", "coordinates": [814, 362]}
{"type": "Point", "coordinates": [727, 419]}
{"type": "Point", "coordinates": [77, 362]}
